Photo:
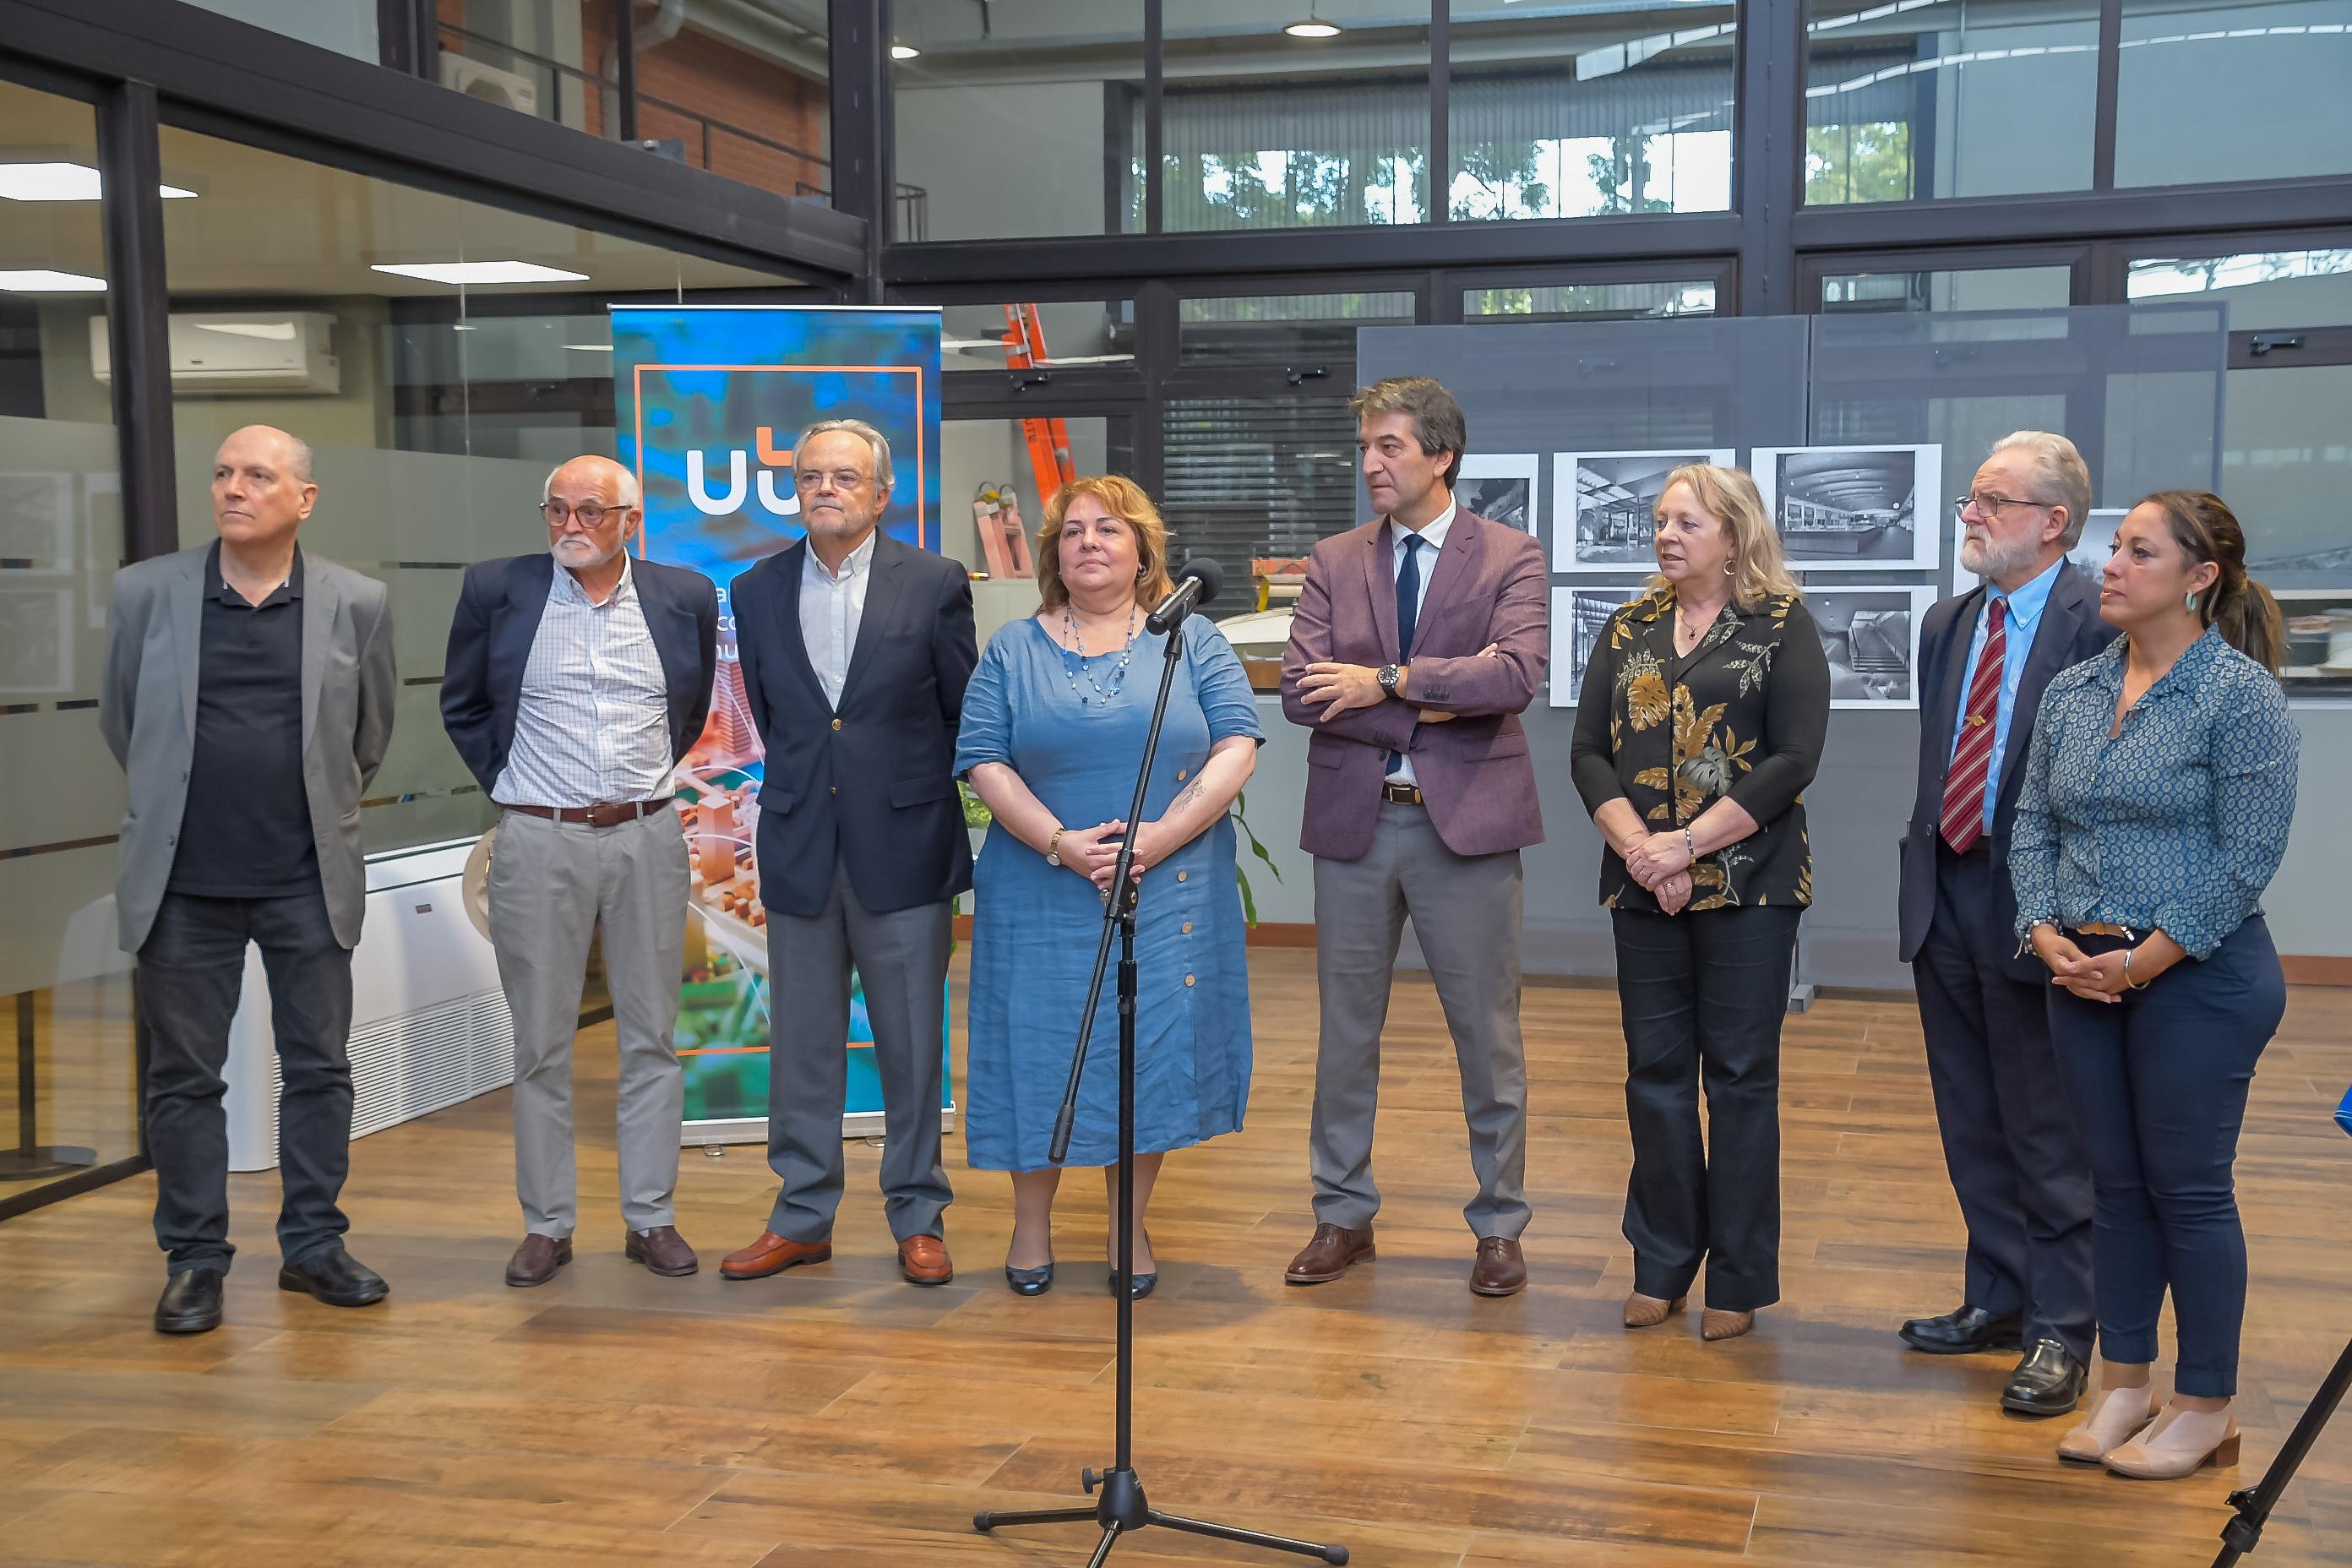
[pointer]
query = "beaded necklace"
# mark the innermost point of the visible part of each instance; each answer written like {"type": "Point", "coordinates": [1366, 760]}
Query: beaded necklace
{"type": "Point", "coordinates": [1119, 671]}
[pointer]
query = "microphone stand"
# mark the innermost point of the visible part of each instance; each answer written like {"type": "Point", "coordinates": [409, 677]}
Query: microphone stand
{"type": "Point", "coordinates": [1121, 1508]}
{"type": "Point", "coordinates": [2253, 1504]}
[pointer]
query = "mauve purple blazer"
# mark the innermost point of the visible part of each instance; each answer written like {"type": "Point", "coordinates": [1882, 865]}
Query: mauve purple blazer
{"type": "Point", "coordinates": [1489, 585]}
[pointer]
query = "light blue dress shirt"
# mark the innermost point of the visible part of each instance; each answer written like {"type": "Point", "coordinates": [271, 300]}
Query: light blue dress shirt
{"type": "Point", "coordinates": [1433, 540]}
{"type": "Point", "coordinates": [2026, 608]}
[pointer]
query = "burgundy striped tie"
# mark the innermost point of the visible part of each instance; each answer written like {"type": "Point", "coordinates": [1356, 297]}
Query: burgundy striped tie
{"type": "Point", "coordinates": [1964, 785]}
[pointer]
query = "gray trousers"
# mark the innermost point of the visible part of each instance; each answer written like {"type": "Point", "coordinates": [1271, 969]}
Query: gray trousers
{"type": "Point", "coordinates": [1465, 915]}
{"type": "Point", "coordinates": [902, 960]}
{"type": "Point", "coordinates": [551, 883]}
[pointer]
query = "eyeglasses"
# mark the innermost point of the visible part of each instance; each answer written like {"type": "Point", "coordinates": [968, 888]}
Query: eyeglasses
{"type": "Point", "coordinates": [592, 515]}
{"type": "Point", "coordinates": [1991, 505]}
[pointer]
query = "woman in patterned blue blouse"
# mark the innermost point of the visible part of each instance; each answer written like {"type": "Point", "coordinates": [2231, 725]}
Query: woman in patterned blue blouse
{"type": "Point", "coordinates": [2156, 801]}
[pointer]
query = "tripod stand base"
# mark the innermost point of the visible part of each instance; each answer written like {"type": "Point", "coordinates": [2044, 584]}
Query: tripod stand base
{"type": "Point", "coordinates": [23, 1164]}
{"type": "Point", "coordinates": [1123, 1510]}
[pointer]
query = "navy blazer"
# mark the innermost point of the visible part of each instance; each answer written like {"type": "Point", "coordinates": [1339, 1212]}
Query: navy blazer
{"type": "Point", "coordinates": [2069, 632]}
{"type": "Point", "coordinates": [870, 785]}
{"type": "Point", "coordinates": [498, 611]}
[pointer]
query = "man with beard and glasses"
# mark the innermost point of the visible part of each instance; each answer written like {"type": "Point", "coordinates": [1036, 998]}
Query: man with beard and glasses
{"type": "Point", "coordinates": [2010, 1142]}
{"type": "Point", "coordinates": [575, 681]}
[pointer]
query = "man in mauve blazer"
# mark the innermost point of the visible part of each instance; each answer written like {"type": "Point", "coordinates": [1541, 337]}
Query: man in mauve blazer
{"type": "Point", "coordinates": [855, 649]}
{"type": "Point", "coordinates": [1418, 640]}
{"type": "Point", "coordinates": [2010, 1142]}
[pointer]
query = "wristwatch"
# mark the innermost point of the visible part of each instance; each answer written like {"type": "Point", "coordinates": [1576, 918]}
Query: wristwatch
{"type": "Point", "coordinates": [1054, 848]}
{"type": "Point", "coordinates": [1388, 678]}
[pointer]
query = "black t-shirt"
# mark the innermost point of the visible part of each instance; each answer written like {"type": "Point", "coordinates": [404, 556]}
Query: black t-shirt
{"type": "Point", "coordinates": [246, 830]}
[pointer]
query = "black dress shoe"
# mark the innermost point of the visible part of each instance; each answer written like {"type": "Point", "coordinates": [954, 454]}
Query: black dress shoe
{"type": "Point", "coordinates": [191, 1302]}
{"type": "Point", "coordinates": [1139, 1287]}
{"type": "Point", "coordinates": [1964, 1333]}
{"type": "Point", "coordinates": [2048, 1382]}
{"type": "Point", "coordinates": [1030, 1282]}
{"type": "Point", "coordinates": [336, 1277]}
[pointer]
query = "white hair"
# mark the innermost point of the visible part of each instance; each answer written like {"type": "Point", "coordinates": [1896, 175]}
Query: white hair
{"type": "Point", "coordinates": [873, 438]}
{"type": "Point", "coordinates": [2059, 472]}
{"type": "Point", "coordinates": [297, 453]}
{"type": "Point", "coordinates": [625, 487]}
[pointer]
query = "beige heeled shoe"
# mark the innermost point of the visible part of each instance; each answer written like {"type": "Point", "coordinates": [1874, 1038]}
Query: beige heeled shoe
{"type": "Point", "coordinates": [2116, 1416]}
{"type": "Point", "coordinates": [2175, 1444]}
{"type": "Point", "coordinates": [1715, 1324]}
{"type": "Point", "coordinates": [1648, 1312]}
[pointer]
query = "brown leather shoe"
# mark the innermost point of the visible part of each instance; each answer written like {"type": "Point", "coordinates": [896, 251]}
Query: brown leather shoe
{"type": "Point", "coordinates": [663, 1250]}
{"type": "Point", "coordinates": [537, 1260]}
{"type": "Point", "coordinates": [1498, 1269]}
{"type": "Point", "coordinates": [923, 1259]}
{"type": "Point", "coordinates": [771, 1254]}
{"type": "Point", "coordinates": [1328, 1253]}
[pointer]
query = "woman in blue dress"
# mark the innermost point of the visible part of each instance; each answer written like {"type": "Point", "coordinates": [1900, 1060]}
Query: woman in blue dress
{"type": "Point", "coordinates": [1054, 723]}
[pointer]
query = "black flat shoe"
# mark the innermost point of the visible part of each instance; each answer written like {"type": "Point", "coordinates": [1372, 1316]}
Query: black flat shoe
{"type": "Point", "coordinates": [1964, 1333]}
{"type": "Point", "coordinates": [1030, 1282]}
{"type": "Point", "coordinates": [336, 1277]}
{"type": "Point", "coordinates": [1139, 1287]}
{"type": "Point", "coordinates": [191, 1302]}
{"type": "Point", "coordinates": [2048, 1382]}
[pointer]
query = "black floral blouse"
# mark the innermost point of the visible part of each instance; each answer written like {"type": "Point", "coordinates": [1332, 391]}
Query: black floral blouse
{"type": "Point", "coordinates": [1744, 716]}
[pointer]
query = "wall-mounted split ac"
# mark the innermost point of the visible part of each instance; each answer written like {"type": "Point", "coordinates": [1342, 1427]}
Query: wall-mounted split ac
{"type": "Point", "coordinates": [236, 354]}
{"type": "Point", "coordinates": [508, 90]}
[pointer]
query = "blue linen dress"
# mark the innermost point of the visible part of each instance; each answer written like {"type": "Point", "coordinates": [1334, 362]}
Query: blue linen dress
{"type": "Point", "coordinates": [1034, 925]}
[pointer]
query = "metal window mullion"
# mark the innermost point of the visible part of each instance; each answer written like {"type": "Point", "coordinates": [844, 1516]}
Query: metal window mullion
{"type": "Point", "coordinates": [1155, 62]}
{"type": "Point", "coordinates": [1440, 157]}
{"type": "Point", "coordinates": [138, 311]}
{"type": "Point", "coordinates": [2103, 115]}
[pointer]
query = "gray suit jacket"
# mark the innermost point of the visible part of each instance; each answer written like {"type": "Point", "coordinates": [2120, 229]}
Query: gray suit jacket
{"type": "Point", "coordinates": [147, 710]}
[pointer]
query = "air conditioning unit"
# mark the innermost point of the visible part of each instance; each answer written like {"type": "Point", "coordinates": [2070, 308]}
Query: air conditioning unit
{"type": "Point", "coordinates": [429, 1021]}
{"type": "Point", "coordinates": [508, 90]}
{"type": "Point", "coordinates": [232, 354]}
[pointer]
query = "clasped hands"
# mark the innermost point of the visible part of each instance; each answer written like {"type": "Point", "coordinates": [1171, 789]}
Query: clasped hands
{"type": "Point", "coordinates": [2101, 978]}
{"type": "Point", "coordinates": [1092, 852]}
{"type": "Point", "coordinates": [1661, 862]}
{"type": "Point", "coordinates": [1340, 687]}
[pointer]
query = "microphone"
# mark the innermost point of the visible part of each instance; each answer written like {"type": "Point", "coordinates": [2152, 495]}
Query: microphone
{"type": "Point", "coordinates": [1196, 585]}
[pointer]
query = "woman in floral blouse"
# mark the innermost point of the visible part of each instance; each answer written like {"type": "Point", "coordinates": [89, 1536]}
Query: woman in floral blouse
{"type": "Point", "coordinates": [2156, 801]}
{"type": "Point", "coordinates": [1699, 726]}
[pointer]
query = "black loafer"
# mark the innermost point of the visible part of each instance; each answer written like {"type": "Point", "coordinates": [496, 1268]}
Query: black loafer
{"type": "Point", "coordinates": [336, 1277]}
{"type": "Point", "coordinates": [2048, 1382]}
{"type": "Point", "coordinates": [1964, 1333]}
{"type": "Point", "coordinates": [191, 1302]}
{"type": "Point", "coordinates": [1030, 1282]}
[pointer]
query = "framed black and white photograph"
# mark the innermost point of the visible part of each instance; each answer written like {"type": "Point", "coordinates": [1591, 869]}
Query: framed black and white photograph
{"type": "Point", "coordinates": [2089, 556]}
{"type": "Point", "coordinates": [1602, 504]}
{"type": "Point", "coordinates": [1500, 487]}
{"type": "Point", "coordinates": [1872, 635]}
{"type": "Point", "coordinates": [1855, 509]}
{"type": "Point", "coordinates": [36, 641]}
{"type": "Point", "coordinates": [36, 523]}
{"type": "Point", "coordinates": [1577, 616]}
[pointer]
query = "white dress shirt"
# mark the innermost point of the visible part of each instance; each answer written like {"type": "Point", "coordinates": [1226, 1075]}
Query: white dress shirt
{"type": "Point", "coordinates": [833, 607]}
{"type": "Point", "coordinates": [1433, 540]}
{"type": "Point", "coordinates": [592, 726]}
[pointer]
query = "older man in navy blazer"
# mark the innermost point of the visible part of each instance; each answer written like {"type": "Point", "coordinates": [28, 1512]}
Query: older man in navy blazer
{"type": "Point", "coordinates": [856, 652]}
{"type": "Point", "coordinates": [2015, 1155]}
{"type": "Point", "coordinates": [575, 681]}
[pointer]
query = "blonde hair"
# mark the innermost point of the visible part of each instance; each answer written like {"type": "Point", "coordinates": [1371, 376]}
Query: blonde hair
{"type": "Point", "coordinates": [1730, 497]}
{"type": "Point", "coordinates": [1124, 499]}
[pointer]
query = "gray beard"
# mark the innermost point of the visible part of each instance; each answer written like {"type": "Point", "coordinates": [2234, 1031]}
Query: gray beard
{"type": "Point", "coordinates": [581, 565]}
{"type": "Point", "coordinates": [1992, 561]}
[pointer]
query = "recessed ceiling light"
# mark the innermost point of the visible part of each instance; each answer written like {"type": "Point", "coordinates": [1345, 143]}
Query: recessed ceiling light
{"type": "Point", "coordinates": [1314, 26]}
{"type": "Point", "coordinates": [62, 183]}
{"type": "Point", "coordinates": [468, 272]}
{"type": "Point", "coordinates": [41, 280]}
{"type": "Point", "coordinates": [904, 52]}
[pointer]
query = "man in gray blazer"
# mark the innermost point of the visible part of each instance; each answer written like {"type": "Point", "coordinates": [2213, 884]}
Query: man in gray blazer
{"type": "Point", "coordinates": [248, 696]}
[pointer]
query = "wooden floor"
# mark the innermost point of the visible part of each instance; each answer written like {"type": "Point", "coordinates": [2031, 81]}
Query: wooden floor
{"type": "Point", "coordinates": [835, 1415]}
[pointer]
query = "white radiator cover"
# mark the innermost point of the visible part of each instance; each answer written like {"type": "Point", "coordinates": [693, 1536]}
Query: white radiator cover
{"type": "Point", "coordinates": [429, 1023]}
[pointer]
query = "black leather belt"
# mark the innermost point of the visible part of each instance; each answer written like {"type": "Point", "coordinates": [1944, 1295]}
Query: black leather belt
{"type": "Point", "coordinates": [610, 815]}
{"type": "Point", "coordinates": [1401, 793]}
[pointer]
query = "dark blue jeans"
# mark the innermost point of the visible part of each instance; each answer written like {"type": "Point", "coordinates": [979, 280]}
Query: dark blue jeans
{"type": "Point", "coordinates": [2159, 1083]}
{"type": "Point", "coordinates": [189, 974]}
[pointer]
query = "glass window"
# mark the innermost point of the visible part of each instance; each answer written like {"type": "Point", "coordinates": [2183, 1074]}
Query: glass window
{"type": "Point", "coordinates": [1074, 334]}
{"type": "Point", "coordinates": [65, 989]}
{"type": "Point", "coordinates": [1264, 128]}
{"type": "Point", "coordinates": [1948, 98]}
{"type": "Point", "coordinates": [1967, 288]}
{"type": "Point", "coordinates": [1582, 111]}
{"type": "Point", "coordinates": [2284, 288]}
{"type": "Point", "coordinates": [1258, 477]}
{"type": "Point", "coordinates": [1512, 304]}
{"type": "Point", "coordinates": [736, 86]}
{"type": "Point", "coordinates": [436, 403]}
{"type": "Point", "coordinates": [1286, 328]}
{"type": "Point", "coordinates": [1015, 120]}
{"type": "Point", "coordinates": [548, 59]}
{"type": "Point", "coordinates": [2232, 89]}
{"type": "Point", "coordinates": [346, 27]}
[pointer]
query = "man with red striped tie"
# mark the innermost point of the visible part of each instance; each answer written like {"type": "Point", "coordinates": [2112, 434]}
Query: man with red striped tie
{"type": "Point", "coordinates": [2016, 1157]}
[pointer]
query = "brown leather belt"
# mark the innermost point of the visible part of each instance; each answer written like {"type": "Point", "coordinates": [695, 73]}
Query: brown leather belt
{"type": "Point", "coordinates": [2101, 927]}
{"type": "Point", "coordinates": [1401, 793]}
{"type": "Point", "coordinates": [610, 815]}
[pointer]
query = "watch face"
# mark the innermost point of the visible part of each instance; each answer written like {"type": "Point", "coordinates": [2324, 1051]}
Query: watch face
{"type": "Point", "coordinates": [1388, 676]}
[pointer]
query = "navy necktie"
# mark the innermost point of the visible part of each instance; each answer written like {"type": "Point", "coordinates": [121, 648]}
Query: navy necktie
{"type": "Point", "coordinates": [1408, 611]}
